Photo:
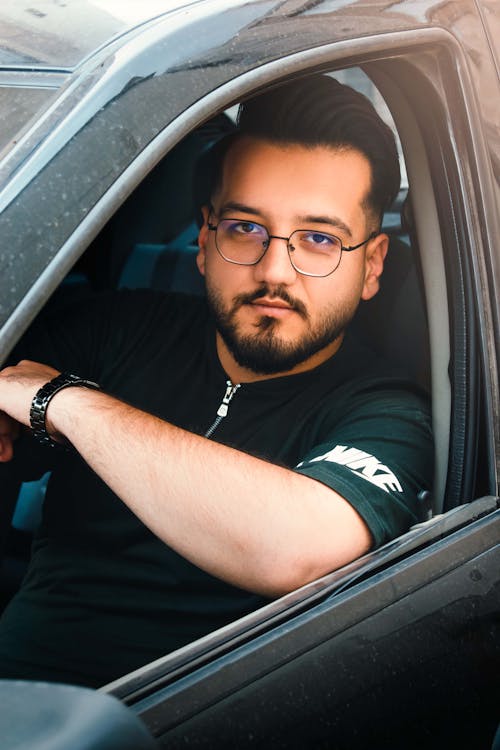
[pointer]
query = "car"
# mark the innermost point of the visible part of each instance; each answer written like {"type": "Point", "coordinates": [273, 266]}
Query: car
{"type": "Point", "coordinates": [106, 109]}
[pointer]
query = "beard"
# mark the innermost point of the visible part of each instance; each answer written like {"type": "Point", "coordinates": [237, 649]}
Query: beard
{"type": "Point", "coordinates": [265, 351]}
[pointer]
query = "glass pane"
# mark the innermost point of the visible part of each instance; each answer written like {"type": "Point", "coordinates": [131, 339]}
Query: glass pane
{"type": "Point", "coordinates": [17, 107]}
{"type": "Point", "coordinates": [61, 34]}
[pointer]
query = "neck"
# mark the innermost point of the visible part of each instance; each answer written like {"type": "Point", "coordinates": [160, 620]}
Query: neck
{"type": "Point", "coordinates": [239, 374]}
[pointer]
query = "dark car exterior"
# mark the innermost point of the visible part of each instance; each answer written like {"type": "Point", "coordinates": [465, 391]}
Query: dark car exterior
{"type": "Point", "coordinates": [400, 649]}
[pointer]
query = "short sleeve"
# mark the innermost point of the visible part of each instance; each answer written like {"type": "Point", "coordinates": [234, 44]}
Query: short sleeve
{"type": "Point", "coordinates": [378, 457]}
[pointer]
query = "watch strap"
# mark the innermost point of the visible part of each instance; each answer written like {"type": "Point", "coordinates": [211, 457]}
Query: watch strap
{"type": "Point", "coordinates": [42, 398]}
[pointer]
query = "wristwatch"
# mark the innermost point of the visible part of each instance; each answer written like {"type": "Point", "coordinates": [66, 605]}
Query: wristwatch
{"type": "Point", "coordinates": [42, 399]}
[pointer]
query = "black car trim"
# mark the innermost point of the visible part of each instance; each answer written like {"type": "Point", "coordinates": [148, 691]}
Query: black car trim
{"type": "Point", "coordinates": [247, 662]}
{"type": "Point", "coordinates": [146, 680]}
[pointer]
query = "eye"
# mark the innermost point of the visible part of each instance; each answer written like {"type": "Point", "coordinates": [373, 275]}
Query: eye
{"type": "Point", "coordinates": [243, 227]}
{"type": "Point", "coordinates": [319, 240]}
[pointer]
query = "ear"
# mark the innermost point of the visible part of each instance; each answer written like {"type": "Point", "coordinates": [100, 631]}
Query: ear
{"type": "Point", "coordinates": [202, 241]}
{"type": "Point", "coordinates": [375, 253]}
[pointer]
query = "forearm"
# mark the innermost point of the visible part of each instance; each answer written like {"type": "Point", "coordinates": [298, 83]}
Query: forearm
{"type": "Point", "coordinates": [252, 523]}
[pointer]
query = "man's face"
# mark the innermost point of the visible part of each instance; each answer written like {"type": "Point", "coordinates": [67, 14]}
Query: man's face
{"type": "Point", "coordinates": [271, 319]}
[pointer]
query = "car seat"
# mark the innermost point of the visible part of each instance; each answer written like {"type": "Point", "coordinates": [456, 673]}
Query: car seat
{"type": "Point", "coordinates": [394, 322]}
{"type": "Point", "coordinates": [158, 222]}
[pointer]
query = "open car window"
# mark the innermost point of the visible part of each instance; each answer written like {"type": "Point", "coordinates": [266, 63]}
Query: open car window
{"type": "Point", "coordinates": [151, 242]}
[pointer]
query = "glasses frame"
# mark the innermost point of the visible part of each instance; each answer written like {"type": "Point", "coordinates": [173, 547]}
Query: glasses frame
{"type": "Point", "coordinates": [343, 248]}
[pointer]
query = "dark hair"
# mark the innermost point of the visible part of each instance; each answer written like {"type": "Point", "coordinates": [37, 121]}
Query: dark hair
{"type": "Point", "coordinates": [320, 111]}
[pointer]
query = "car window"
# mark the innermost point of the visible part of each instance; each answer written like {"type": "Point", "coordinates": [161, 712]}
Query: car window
{"type": "Point", "coordinates": [143, 245]}
{"type": "Point", "coordinates": [46, 34]}
{"type": "Point", "coordinates": [18, 107]}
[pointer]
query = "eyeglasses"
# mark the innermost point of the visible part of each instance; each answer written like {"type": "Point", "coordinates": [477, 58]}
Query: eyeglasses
{"type": "Point", "coordinates": [311, 253]}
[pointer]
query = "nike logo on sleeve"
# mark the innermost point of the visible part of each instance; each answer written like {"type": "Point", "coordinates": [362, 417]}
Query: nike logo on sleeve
{"type": "Point", "coordinates": [363, 465]}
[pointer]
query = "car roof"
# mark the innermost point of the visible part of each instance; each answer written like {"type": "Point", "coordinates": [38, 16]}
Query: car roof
{"type": "Point", "coordinates": [43, 34]}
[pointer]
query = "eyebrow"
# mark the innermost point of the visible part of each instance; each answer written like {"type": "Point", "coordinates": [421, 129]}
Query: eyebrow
{"type": "Point", "coordinates": [240, 207]}
{"type": "Point", "coordinates": [332, 221]}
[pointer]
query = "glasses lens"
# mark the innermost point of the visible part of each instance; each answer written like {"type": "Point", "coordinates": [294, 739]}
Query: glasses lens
{"type": "Point", "coordinates": [241, 241]}
{"type": "Point", "coordinates": [315, 253]}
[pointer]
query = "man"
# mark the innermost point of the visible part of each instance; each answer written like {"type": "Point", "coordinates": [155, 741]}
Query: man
{"type": "Point", "coordinates": [259, 446]}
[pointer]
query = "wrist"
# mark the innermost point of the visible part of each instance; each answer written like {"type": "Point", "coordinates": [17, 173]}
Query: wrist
{"type": "Point", "coordinates": [43, 429]}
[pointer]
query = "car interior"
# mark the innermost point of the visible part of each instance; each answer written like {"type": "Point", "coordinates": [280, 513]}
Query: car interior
{"type": "Point", "coordinates": [151, 242]}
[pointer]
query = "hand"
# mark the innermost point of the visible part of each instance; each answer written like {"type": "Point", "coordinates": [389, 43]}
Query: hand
{"type": "Point", "coordinates": [9, 431]}
{"type": "Point", "coordinates": [18, 386]}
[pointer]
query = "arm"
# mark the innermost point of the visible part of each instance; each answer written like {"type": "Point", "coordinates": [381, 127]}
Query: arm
{"type": "Point", "coordinates": [249, 522]}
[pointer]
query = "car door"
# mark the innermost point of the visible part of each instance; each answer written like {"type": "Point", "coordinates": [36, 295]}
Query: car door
{"type": "Point", "coordinates": [401, 651]}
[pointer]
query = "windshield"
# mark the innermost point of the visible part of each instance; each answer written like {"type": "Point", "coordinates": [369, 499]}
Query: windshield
{"type": "Point", "coordinates": [57, 34]}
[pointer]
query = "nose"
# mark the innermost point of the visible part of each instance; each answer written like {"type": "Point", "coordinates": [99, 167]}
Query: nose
{"type": "Point", "coordinates": [275, 266]}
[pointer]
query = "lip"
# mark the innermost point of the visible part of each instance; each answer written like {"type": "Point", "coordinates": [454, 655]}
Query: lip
{"type": "Point", "coordinates": [275, 307]}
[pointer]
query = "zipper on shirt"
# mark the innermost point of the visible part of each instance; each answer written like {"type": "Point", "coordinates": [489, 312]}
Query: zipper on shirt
{"type": "Point", "coordinates": [223, 408]}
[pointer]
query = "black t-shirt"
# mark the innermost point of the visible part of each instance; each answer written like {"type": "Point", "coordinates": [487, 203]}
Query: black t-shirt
{"type": "Point", "coordinates": [103, 595]}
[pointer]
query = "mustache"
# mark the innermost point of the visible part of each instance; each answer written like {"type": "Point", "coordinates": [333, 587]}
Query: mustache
{"type": "Point", "coordinates": [279, 292]}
